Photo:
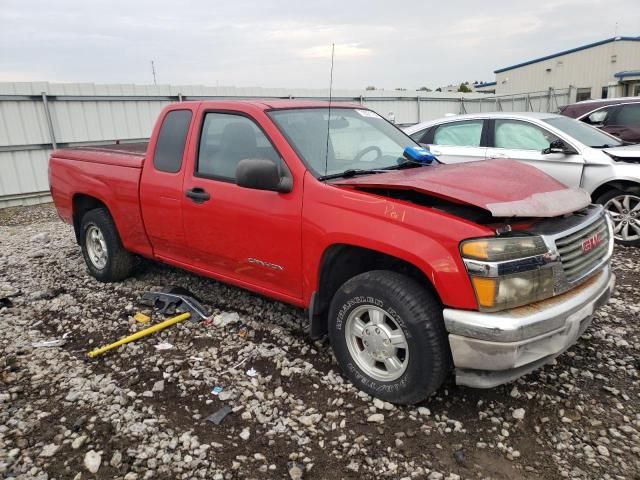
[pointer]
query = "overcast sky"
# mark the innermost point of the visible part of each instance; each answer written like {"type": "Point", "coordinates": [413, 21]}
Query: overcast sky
{"type": "Point", "coordinates": [286, 43]}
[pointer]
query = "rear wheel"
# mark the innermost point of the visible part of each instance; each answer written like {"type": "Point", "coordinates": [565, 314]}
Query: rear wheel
{"type": "Point", "coordinates": [624, 210]}
{"type": "Point", "coordinates": [106, 258]}
{"type": "Point", "coordinates": [388, 336]}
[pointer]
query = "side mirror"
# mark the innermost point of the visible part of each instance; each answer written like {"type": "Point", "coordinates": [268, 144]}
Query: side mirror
{"type": "Point", "coordinates": [262, 174]}
{"type": "Point", "coordinates": [558, 146]}
{"type": "Point", "coordinates": [419, 155]}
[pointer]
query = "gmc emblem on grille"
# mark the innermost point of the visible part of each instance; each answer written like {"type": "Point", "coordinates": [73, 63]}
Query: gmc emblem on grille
{"type": "Point", "coordinates": [591, 243]}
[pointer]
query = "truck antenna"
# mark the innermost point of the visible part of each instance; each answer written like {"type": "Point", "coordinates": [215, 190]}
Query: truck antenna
{"type": "Point", "coordinates": [326, 152]}
{"type": "Point", "coordinates": [153, 72]}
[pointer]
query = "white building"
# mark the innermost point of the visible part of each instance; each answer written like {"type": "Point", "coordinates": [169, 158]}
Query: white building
{"type": "Point", "coordinates": [608, 68]}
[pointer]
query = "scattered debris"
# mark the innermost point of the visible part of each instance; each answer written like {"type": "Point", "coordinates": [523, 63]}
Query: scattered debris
{"type": "Point", "coordinates": [235, 366]}
{"type": "Point", "coordinates": [163, 346]}
{"type": "Point", "coordinates": [6, 302]}
{"type": "Point", "coordinates": [175, 300]}
{"type": "Point", "coordinates": [217, 390]}
{"type": "Point", "coordinates": [245, 434]}
{"type": "Point", "coordinates": [226, 318]}
{"type": "Point", "coordinates": [459, 456]}
{"type": "Point", "coordinates": [243, 333]}
{"type": "Point", "coordinates": [196, 359]}
{"type": "Point", "coordinates": [217, 417]}
{"type": "Point", "coordinates": [141, 317]}
{"type": "Point", "coordinates": [49, 343]}
{"type": "Point", "coordinates": [41, 237]}
{"type": "Point", "coordinates": [252, 372]}
{"type": "Point", "coordinates": [79, 423]}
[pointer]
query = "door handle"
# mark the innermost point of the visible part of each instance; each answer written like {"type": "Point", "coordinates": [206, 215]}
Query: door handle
{"type": "Point", "coordinates": [198, 195]}
{"type": "Point", "coordinates": [499, 155]}
{"type": "Point", "coordinates": [435, 152]}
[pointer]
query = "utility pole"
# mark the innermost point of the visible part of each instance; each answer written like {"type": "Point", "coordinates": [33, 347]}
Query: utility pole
{"type": "Point", "coordinates": [153, 71]}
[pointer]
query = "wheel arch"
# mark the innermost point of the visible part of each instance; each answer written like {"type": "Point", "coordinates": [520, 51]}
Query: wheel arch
{"type": "Point", "coordinates": [81, 204]}
{"type": "Point", "coordinates": [342, 261]}
{"type": "Point", "coordinates": [621, 184]}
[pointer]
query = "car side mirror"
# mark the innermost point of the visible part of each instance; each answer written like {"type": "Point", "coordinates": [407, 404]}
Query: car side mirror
{"type": "Point", "coordinates": [558, 146]}
{"type": "Point", "coordinates": [262, 174]}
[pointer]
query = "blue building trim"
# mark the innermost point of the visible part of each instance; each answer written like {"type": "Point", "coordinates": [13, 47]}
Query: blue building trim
{"type": "Point", "coordinates": [565, 52]}
{"type": "Point", "coordinates": [485, 84]}
{"type": "Point", "coordinates": [627, 73]}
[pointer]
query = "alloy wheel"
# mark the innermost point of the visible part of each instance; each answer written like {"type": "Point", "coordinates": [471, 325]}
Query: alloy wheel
{"type": "Point", "coordinates": [377, 343]}
{"type": "Point", "coordinates": [624, 211]}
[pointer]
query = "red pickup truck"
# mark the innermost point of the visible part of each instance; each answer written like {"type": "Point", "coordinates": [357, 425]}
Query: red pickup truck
{"type": "Point", "coordinates": [413, 268]}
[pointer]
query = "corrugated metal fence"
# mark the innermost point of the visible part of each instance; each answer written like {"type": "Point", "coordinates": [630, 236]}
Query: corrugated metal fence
{"type": "Point", "coordinates": [38, 117]}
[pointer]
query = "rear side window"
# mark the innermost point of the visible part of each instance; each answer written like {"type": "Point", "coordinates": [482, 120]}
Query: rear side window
{"type": "Point", "coordinates": [629, 115]}
{"type": "Point", "coordinates": [460, 134]}
{"type": "Point", "coordinates": [171, 141]}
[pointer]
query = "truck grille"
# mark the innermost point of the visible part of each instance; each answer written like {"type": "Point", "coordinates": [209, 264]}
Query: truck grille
{"type": "Point", "coordinates": [583, 250]}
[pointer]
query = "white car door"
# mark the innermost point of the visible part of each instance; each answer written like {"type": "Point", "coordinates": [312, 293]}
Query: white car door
{"type": "Point", "coordinates": [457, 141]}
{"type": "Point", "coordinates": [524, 141]}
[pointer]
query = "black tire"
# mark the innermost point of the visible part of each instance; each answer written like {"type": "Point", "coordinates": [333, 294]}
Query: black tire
{"type": "Point", "coordinates": [608, 195]}
{"type": "Point", "coordinates": [119, 262]}
{"type": "Point", "coordinates": [411, 307]}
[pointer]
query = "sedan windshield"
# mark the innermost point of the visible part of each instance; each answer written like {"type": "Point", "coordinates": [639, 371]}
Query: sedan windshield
{"type": "Point", "coordinates": [359, 140]}
{"type": "Point", "coordinates": [585, 134]}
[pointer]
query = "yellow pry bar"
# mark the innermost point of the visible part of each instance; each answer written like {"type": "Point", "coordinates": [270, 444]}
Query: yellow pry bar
{"type": "Point", "coordinates": [140, 334]}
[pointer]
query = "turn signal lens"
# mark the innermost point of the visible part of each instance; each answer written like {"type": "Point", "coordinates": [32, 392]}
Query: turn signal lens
{"type": "Point", "coordinates": [485, 290]}
{"type": "Point", "coordinates": [475, 249]}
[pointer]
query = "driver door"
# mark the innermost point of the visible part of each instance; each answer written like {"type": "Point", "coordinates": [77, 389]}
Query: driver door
{"type": "Point", "coordinates": [245, 236]}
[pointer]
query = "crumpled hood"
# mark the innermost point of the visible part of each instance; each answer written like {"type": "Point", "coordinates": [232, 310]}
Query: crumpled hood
{"type": "Point", "coordinates": [505, 188]}
{"type": "Point", "coordinates": [628, 153]}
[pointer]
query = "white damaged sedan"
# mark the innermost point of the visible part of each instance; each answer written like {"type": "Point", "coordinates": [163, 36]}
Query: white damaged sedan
{"type": "Point", "coordinates": [574, 153]}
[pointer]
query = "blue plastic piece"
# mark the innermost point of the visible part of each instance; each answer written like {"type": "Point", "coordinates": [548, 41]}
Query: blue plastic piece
{"type": "Point", "coordinates": [419, 154]}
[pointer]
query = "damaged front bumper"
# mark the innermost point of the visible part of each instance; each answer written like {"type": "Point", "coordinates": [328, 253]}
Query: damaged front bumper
{"type": "Point", "coordinates": [490, 349]}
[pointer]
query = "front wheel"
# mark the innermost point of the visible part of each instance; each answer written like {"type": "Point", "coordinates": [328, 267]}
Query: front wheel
{"type": "Point", "coordinates": [624, 210]}
{"type": "Point", "coordinates": [388, 336]}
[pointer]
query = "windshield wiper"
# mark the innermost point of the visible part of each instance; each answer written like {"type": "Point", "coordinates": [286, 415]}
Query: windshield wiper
{"type": "Point", "coordinates": [351, 172]}
{"type": "Point", "coordinates": [405, 163]}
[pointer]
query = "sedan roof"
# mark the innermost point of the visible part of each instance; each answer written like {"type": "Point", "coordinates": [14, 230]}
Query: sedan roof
{"type": "Point", "coordinates": [483, 115]}
{"type": "Point", "coordinates": [582, 108]}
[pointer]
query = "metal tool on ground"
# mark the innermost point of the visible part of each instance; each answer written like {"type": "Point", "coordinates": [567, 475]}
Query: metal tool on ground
{"type": "Point", "coordinates": [167, 302]}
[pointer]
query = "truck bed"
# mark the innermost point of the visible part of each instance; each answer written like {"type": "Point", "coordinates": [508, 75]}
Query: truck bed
{"type": "Point", "coordinates": [108, 173]}
{"type": "Point", "coordinates": [123, 154]}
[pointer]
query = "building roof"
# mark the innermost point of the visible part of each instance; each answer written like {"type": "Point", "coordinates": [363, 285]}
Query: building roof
{"type": "Point", "coordinates": [627, 73]}
{"type": "Point", "coordinates": [573, 50]}
{"type": "Point", "coordinates": [484, 84]}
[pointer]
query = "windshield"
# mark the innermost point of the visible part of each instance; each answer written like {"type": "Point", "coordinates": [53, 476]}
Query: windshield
{"type": "Point", "coordinates": [358, 139]}
{"type": "Point", "coordinates": [585, 134]}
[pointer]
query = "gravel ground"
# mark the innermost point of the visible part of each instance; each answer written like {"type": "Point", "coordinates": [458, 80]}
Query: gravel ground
{"type": "Point", "coordinates": [140, 412]}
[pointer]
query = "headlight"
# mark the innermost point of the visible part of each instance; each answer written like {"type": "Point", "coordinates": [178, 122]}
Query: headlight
{"type": "Point", "coordinates": [500, 249]}
{"type": "Point", "coordinates": [510, 291]}
{"type": "Point", "coordinates": [496, 287]}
